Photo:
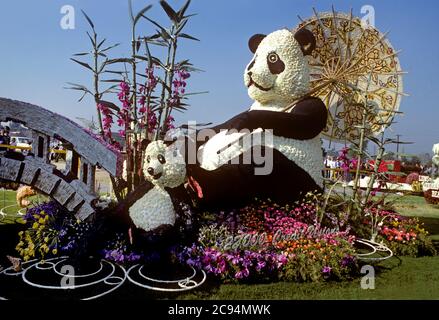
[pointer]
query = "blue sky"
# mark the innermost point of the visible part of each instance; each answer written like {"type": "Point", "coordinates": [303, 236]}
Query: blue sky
{"type": "Point", "coordinates": [35, 52]}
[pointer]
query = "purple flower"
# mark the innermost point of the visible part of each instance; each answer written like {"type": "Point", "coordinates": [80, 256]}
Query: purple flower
{"type": "Point", "coordinates": [326, 270]}
{"type": "Point", "coordinates": [347, 261]}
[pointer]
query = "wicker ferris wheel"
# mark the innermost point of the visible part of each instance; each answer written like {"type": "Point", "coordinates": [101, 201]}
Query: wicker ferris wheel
{"type": "Point", "coordinates": [353, 66]}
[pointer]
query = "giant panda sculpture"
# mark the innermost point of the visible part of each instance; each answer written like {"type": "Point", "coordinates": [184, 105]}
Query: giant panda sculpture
{"type": "Point", "coordinates": [277, 75]}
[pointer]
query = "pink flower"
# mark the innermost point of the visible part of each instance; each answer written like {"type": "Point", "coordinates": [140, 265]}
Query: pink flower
{"type": "Point", "coordinates": [120, 122]}
{"type": "Point", "coordinates": [142, 109]}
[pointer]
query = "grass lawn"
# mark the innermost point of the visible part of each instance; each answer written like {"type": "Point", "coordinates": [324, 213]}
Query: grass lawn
{"type": "Point", "coordinates": [416, 206]}
{"type": "Point", "coordinates": [413, 278]}
{"type": "Point", "coordinates": [8, 207]}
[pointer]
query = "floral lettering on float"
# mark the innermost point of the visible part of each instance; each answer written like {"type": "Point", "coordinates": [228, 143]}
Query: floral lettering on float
{"type": "Point", "coordinates": [248, 240]}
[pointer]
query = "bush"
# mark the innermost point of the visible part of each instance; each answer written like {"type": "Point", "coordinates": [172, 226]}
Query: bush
{"type": "Point", "coordinates": [406, 237]}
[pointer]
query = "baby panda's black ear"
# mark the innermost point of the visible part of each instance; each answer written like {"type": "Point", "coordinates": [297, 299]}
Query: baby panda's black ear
{"type": "Point", "coordinates": [254, 41]}
{"type": "Point", "coordinates": [306, 40]}
{"type": "Point", "coordinates": [144, 143]}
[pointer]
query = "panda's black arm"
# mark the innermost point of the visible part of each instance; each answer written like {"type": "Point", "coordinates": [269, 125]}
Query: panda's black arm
{"type": "Point", "coordinates": [305, 121]}
{"type": "Point", "coordinates": [230, 124]}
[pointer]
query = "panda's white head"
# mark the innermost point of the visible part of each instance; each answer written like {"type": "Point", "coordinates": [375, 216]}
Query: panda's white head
{"type": "Point", "coordinates": [164, 165]}
{"type": "Point", "coordinates": [278, 72]}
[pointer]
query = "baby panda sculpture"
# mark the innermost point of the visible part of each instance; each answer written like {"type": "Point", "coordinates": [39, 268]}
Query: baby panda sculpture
{"type": "Point", "coordinates": [165, 169]}
{"type": "Point", "coordinates": [277, 76]}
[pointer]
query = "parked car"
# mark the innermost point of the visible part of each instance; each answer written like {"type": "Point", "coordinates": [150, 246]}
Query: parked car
{"type": "Point", "coordinates": [21, 142]}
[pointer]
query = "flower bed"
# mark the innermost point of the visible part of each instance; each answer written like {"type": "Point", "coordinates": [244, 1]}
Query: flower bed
{"type": "Point", "coordinates": [269, 242]}
{"type": "Point", "coordinates": [261, 242]}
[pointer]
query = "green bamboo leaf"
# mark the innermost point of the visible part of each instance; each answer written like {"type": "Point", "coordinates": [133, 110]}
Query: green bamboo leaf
{"type": "Point", "coordinates": [141, 13]}
{"type": "Point", "coordinates": [115, 72]}
{"type": "Point", "coordinates": [101, 43]}
{"type": "Point", "coordinates": [181, 26]}
{"type": "Point", "coordinates": [184, 35]}
{"type": "Point", "coordinates": [109, 89]}
{"type": "Point", "coordinates": [112, 80]}
{"type": "Point", "coordinates": [159, 43]}
{"type": "Point", "coordinates": [81, 54]}
{"type": "Point", "coordinates": [195, 93]}
{"type": "Point", "coordinates": [82, 97]}
{"type": "Point", "coordinates": [119, 60]}
{"type": "Point", "coordinates": [103, 64]}
{"type": "Point", "coordinates": [192, 69]}
{"type": "Point", "coordinates": [156, 24]}
{"type": "Point", "coordinates": [183, 9]}
{"type": "Point", "coordinates": [158, 62]}
{"type": "Point", "coordinates": [184, 63]}
{"type": "Point", "coordinates": [86, 65]}
{"type": "Point", "coordinates": [88, 19]}
{"type": "Point", "coordinates": [110, 47]}
{"type": "Point", "coordinates": [130, 10]}
{"type": "Point", "coordinates": [148, 53]}
{"type": "Point", "coordinates": [169, 11]}
{"type": "Point", "coordinates": [154, 36]}
{"type": "Point", "coordinates": [109, 104]}
{"type": "Point", "coordinates": [179, 108]}
{"type": "Point", "coordinates": [191, 15]}
{"type": "Point", "coordinates": [165, 35]}
{"type": "Point", "coordinates": [91, 39]}
{"type": "Point", "coordinates": [77, 87]}
{"type": "Point", "coordinates": [141, 58]}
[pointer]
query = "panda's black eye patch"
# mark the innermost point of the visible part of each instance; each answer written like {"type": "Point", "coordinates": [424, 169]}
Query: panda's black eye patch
{"type": "Point", "coordinates": [275, 64]}
{"type": "Point", "coordinates": [148, 159]}
{"type": "Point", "coordinates": [161, 159]}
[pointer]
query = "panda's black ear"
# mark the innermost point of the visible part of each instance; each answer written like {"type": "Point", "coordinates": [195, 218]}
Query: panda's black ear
{"type": "Point", "coordinates": [306, 40]}
{"type": "Point", "coordinates": [254, 41]}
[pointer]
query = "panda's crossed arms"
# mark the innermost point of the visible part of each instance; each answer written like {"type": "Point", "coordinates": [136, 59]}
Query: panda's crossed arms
{"type": "Point", "coordinates": [305, 121]}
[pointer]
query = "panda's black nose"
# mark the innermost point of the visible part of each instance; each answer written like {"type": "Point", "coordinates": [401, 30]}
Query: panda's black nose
{"type": "Point", "coordinates": [150, 171]}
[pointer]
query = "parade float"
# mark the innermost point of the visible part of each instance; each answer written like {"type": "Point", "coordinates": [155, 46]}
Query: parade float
{"type": "Point", "coordinates": [171, 222]}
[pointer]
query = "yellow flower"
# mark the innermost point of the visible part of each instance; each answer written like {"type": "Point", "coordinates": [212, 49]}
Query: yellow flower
{"type": "Point", "coordinates": [44, 248]}
{"type": "Point", "coordinates": [35, 225]}
{"type": "Point", "coordinates": [54, 251]}
{"type": "Point", "coordinates": [20, 233]}
{"type": "Point", "coordinates": [46, 239]}
{"type": "Point", "coordinates": [41, 221]}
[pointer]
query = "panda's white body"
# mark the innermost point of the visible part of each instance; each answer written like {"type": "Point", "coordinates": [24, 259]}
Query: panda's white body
{"type": "Point", "coordinates": [153, 210]}
{"type": "Point", "coordinates": [285, 87]}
